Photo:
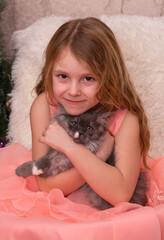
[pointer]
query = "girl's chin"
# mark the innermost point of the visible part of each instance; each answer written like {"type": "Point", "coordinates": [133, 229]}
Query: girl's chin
{"type": "Point", "coordinates": [75, 111]}
{"type": "Point", "coordinates": [76, 108]}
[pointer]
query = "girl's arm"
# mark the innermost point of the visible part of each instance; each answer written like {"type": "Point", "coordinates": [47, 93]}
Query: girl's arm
{"type": "Point", "coordinates": [40, 118]}
{"type": "Point", "coordinates": [68, 181]}
{"type": "Point", "coordinates": [114, 184]}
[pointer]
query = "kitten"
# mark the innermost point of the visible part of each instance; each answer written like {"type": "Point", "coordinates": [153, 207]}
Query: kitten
{"type": "Point", "coordinates": [88, 129]}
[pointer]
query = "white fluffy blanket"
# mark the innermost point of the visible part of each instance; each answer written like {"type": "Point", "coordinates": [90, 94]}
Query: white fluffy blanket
{"type": "Point", "coordinates": [142, 43]}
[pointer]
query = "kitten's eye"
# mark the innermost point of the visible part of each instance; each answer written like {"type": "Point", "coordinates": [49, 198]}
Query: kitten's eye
{"type": "Point", "coordinates": [89, 128]}
{"type": "Point", "coordinates": [74, 123]}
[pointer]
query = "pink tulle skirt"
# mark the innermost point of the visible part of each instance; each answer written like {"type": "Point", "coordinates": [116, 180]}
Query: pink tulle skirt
{"type": "Point", "coordinates": [27, 213]}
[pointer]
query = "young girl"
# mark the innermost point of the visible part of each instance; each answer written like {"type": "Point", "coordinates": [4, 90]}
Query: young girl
{"type": "Point", "coordinates": [83, 67]}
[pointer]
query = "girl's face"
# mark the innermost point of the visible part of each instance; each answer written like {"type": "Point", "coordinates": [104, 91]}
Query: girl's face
{"type": "Point", "coordinates": [74, 84]}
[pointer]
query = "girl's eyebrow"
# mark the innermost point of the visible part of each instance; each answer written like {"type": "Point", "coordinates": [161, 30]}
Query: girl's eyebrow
{"type": "Point", "coordinates": [65, 72]}
{"type": "Point", "coordinates": [59, 71]}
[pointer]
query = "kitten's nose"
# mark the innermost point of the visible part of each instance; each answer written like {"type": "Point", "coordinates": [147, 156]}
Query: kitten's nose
{"type": "Point", "coordinates": [76, 135]}
{"type": "Point", "coordinates": [81, 133]}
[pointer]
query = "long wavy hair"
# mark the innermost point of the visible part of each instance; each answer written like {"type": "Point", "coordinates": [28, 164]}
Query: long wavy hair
{"type": "Point", "coordinates": [93, 42]}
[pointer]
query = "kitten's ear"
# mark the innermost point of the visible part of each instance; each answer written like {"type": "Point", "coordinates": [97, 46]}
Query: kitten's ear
{"type": "Point", "coordinates": [61, 108]}
{"type": "Point", "coordinates": [62, 117]}
{"type": "Point", "coordinates": [103, 118]}
{"type": "Point", "coordinates": [60, 113]}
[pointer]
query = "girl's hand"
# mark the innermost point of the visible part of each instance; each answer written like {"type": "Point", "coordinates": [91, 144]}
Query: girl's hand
{"type": "Point", "coordinates": [106, 148]}
{"type": "Point", "coordinates": [56, 137]}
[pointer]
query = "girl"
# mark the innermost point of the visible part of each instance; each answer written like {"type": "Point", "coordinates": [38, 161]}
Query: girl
{"type": "Point", "coordinates": [83, 67]}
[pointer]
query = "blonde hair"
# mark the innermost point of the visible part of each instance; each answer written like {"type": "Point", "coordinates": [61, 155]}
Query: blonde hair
{"type": "Point", "coordinates": [92, 41]}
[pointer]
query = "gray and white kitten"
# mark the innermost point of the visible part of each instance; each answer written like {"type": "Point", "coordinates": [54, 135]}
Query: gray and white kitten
{"type": "Point", "coordinates": [88, 129]}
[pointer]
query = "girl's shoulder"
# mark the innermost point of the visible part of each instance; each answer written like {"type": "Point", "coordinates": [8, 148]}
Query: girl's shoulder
{"type": "Point", "coordinates": [42, 104]}
{"type": "Point", "coordinates": [39, 120]}
{"type": "Point", "coordinates": [41, 99]}
{"type": "Point", "coordinates": [123, 121]}
{"type": "Point", "coordinates": [116, 120]}
{"type": "Point", "coordinates": [40, 108]}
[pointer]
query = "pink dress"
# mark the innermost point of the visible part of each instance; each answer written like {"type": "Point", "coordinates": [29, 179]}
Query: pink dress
{"type": "Point", "coordinates": [26, 213]}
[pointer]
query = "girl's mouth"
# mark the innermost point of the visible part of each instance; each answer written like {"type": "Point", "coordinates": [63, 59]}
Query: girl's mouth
{"type": "Point", "coordinates": [74, 101]}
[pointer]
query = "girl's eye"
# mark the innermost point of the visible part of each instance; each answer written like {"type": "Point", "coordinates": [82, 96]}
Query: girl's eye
{"type": "Point", "coordinates": [89, 128]}
{"type": "Point", "coordinates": [62, 76]}
{"type": "Point", "coordinates": [88, 79]}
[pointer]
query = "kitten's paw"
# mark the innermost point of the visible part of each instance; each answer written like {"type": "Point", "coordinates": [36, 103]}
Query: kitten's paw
{"type": "Point", "coordinates": [24, 170]}
{"type": "Point", "coordinates": [36, 171]}
{"type": "Point", "coordinates": [27, 169]}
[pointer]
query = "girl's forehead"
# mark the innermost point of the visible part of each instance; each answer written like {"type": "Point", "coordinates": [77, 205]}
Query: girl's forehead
{"type": "Point", "coordinates": [66, 52]}
{"type": "Point", "coordinates": [67, 58]}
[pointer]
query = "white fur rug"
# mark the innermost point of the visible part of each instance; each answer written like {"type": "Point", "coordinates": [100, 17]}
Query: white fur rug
{"type": "Point", "coordinates": [142, 43]}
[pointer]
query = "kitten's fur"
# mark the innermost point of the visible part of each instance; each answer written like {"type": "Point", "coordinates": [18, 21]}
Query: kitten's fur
{"type": "Point", "coordinates": [88, 129]}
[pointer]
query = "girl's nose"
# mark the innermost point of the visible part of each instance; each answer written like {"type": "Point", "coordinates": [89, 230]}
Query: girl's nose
{"type": "Point", "coordinates": [74, 89]}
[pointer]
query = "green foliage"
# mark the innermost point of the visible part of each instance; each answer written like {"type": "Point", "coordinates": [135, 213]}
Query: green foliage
{"type": "Point", "coordinates": [5, 88]}
{"type": "Point", "coordinates": [5, 84]}
{"type": "Point", "coordinates": [2, 5]}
